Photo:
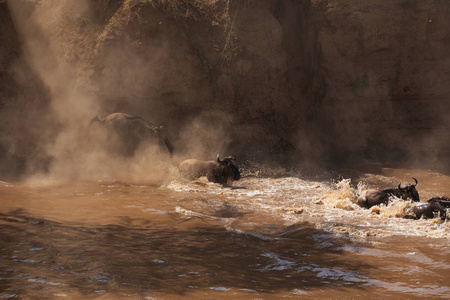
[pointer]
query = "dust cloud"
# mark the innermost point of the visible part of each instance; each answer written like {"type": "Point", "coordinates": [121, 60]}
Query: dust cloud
{"type": "Point", "coordinates": [76, 149]}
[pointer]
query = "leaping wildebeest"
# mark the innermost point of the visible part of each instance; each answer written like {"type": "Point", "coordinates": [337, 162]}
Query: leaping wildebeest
{"type": "Point", "coordinates": [220, 171]}
{"type": "Point", "coordinates": [371, 197]}
{"type": "Point", "coordinates": [126, 132]}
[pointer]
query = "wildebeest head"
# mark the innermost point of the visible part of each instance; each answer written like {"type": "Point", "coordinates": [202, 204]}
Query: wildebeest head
{"type": "Point", "coordinates": [228, 167]}
{"type": "Point", "coordinates": [409, 191]}
{"type": "Point", "coordinates": [163, 141]}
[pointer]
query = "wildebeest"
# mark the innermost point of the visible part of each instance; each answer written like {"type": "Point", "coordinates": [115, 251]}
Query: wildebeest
{"type": "Point", "coordinates": [371, 197]}
{"type": "Point", "coordinates": [436, 206]}
{"type": "Point", "coordinates": [219, 171]}
{"type": "Point", "coordinates": [126, 132]}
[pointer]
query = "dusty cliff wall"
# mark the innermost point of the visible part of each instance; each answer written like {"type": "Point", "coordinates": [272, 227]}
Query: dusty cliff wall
{"type": "Point", "coordinates": [283, 81]}
{"type": "Point", "coordinates": [387, 88]}
{"type": "Point", "coordinates": [24, 99]}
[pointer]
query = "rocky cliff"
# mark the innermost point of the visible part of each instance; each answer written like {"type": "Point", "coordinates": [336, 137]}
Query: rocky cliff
{"type": "Point", "coordinates": [291, 82]}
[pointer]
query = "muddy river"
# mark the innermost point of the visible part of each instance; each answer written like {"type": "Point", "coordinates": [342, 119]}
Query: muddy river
{"type": "Point", "coordinates": [264, 237]}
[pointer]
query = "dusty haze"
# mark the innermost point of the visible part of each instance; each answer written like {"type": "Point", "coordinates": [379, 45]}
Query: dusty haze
{"type": "Point", "coordinates": [286, 83]}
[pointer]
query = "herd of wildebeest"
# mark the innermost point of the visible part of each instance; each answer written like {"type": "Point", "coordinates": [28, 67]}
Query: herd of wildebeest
{"type": "Point", "coordinates": [126, 132]}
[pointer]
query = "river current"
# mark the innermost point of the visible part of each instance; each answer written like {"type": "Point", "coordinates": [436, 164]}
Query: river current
{"type": "Point", "coordinates": [263, 237]}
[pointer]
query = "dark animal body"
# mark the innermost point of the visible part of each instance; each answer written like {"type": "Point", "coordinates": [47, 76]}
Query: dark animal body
{"type": "Point", "coordinates": [436, 206]}
{"type": "Point", "coordinates": [371, 197]}
{"type": "Point", "coordinates": [125, 133]}
{"type": "Point", "coordinates": [219, 171]}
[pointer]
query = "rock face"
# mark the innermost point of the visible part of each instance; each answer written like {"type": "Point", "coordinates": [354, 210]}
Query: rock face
{"type": "Point", "coordinates": [23, 101]}
{"type": "Point", "coordinates": [384, 65]}
{"type": "Point", "coordinates": [283, 81]}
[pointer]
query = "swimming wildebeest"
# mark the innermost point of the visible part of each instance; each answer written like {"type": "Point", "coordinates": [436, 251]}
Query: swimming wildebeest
{"type": "Point", "coordinates": [126, 132]}
{"type": "Point", "coordinates": [219, 171]}
{"type": "Point", "coordinates": [371, 197]}
{"type": "Point", "coordinates": [436, 206]}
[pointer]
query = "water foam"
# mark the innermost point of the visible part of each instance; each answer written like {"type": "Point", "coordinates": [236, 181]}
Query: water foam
{"type": "Point", "coordinates": [329, 206]}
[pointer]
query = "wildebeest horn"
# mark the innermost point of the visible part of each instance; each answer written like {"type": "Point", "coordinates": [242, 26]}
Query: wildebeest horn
{"type": "Point", "coordinates": [218, 160]}
{"type": "Point", "coordinates": [415, 181]}
{"type": "Point", "coordinates": [232, 156]}
{"type": "Point", "coordinates": [94, 119]}
{"type": "Point", "coordinates": [399, 186]}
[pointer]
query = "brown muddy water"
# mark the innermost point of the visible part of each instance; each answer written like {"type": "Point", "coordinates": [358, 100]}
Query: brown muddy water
{"type": "Point", "coordinates": [268, 238]}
